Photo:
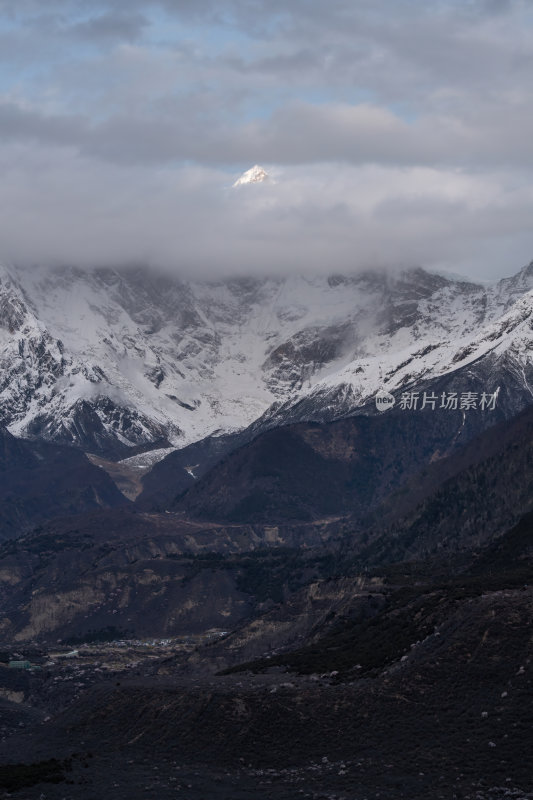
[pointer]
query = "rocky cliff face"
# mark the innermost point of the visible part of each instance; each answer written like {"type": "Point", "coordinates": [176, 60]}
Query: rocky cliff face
{"type": "Point", "coordinates": [143, 574]}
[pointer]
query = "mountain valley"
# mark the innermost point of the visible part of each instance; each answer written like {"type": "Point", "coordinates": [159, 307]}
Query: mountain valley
{"type": "Point", "coordinates": [263, 585]}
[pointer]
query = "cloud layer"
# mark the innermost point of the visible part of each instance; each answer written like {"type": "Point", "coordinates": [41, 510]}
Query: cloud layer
{"type": "Point", "coordinates": [399, 132]}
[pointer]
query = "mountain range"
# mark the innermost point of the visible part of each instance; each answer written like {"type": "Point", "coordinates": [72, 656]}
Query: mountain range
{"type": "Point", "coordinates": [274, 586]}
{"type": "Point", "coordinates": [113, 361]}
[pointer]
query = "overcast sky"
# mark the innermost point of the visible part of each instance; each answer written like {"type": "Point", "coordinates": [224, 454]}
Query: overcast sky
{"type": "Point", "coordinates": [398, 132]}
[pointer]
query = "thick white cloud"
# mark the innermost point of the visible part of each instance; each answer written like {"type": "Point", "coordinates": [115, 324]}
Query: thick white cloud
{"type": "Point", "coordinates": [59, 207]}
{"type": "Point", "coordinates": [401, 132]}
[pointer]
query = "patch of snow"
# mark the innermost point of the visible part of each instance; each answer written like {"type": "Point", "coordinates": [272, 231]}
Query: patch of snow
{"type": "Point", "coordinates": [145, 460]}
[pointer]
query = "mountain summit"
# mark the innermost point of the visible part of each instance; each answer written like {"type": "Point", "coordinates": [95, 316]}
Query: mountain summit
{"type": "Point", "coordinates": [256, 174]}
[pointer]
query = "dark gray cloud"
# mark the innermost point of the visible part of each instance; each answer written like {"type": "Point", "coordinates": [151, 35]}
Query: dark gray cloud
{"type": "Point", "coordinates": [298, 133]}
{"type": "Point", "coordinates": [110, 25]}
{"type": "Point", "coordinates": [21, 124]}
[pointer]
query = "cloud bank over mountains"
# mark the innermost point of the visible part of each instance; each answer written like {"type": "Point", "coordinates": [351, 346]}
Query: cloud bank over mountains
{"type": "Point", "coordinates": [398, 133]}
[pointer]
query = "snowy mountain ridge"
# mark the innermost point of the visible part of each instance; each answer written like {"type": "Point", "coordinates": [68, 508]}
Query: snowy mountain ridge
{"type": "Point", "coordinates": [112, 359]}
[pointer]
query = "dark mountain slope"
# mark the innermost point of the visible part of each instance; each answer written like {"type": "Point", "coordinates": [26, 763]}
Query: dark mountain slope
{"type": "Point", "coordinates": [459, 502]}
{"type": "Point", "coordinates": [413, 602]}
{"type": "Point", "coordinates": [154, 574]}
{"type": "Point", "coordinates": [311, 470]}
{"type": "Point", "coordinates": [170, 476]}
{"type": "Point", "coordinates": [14, 454]}
{"type": "Point", "coordinates": [39, 481]}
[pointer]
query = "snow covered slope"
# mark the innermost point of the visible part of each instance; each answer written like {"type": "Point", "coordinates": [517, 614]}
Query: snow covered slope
{"type": "Point", "coordinates": [113, 359]}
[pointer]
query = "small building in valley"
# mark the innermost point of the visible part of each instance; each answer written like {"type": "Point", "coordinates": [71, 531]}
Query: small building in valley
{"type": "Point", "coordinates": [19, 665]}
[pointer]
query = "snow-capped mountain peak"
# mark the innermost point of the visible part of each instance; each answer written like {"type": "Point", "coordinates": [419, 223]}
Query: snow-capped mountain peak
{"type": "Point", "coordinates": [256, 174]}
{"type": "Point", "coordinates": [114, 359]}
